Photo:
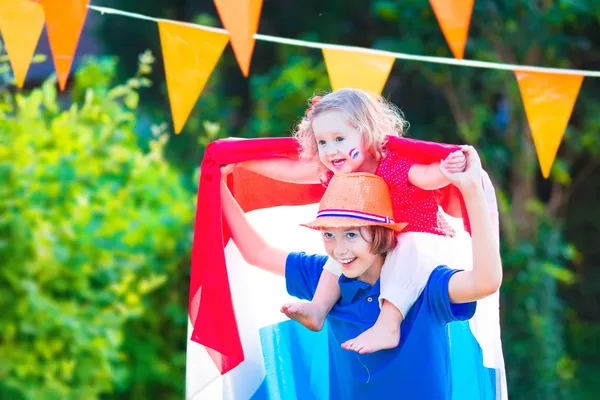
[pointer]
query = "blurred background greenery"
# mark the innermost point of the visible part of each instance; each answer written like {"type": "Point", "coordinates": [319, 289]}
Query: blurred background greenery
{"type": "Point", "coordinates": [97, 196]}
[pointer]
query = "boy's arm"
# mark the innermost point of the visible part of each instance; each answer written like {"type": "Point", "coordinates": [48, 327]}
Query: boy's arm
{"type": "Point", "coordinates": [282, 169]}
{"type": "Point", "coordinates": [429, 177]}
{"type": "Point", "coordinates": [253, 247]}
{"type": "Point", "coordinates": [486, 276]}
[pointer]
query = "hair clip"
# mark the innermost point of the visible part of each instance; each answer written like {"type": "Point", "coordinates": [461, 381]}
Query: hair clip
{"type": "Point", "coordinates": [314, 102]}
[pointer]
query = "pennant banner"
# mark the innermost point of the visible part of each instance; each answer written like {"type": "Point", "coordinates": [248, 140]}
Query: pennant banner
{"type": "Point", "coordinates": [357, 70]}
{"type": "Point", "coordinates": [190, 55]}
{"type": "Point", "coordinates": [64, 21]}
{"type": "Point", "coordinates": [241, 18]}
{"type": "Point", "coordinates": [548, 101]}
{"type": "Point", "coordinates": [21, 24]}
{"type": "Point", "coordinates": [454, 17]}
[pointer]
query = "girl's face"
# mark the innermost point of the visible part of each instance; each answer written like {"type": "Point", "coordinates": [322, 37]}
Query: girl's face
{"type": "Point", "coordinates": [351, 247]}
{"type": "Point", "coordinates": [341, 146]}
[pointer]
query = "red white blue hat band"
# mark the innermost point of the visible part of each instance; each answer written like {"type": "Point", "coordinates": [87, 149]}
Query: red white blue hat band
{"type": "Point", "coordinates": [354, 214]}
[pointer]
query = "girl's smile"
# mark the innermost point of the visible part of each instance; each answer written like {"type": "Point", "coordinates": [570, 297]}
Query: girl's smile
{"type": "Point", "coordinates": [340, 144]}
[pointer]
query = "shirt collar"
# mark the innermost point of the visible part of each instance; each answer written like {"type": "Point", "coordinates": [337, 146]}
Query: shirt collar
{"type": "Point", "coordinates": [349, 287]}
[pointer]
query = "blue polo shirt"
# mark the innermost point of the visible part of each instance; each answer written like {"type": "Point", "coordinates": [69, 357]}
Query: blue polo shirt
{"type": "Point", "coordinates": [419, 368]}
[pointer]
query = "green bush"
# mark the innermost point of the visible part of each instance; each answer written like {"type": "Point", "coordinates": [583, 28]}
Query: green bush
{"type": "Point", "coordinates": [95, 235]}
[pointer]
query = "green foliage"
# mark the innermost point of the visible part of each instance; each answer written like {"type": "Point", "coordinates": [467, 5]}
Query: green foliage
{"type": "Point", "coordinates": [283, 92]}
{"type": "Point", "coordinates": [94, 241]}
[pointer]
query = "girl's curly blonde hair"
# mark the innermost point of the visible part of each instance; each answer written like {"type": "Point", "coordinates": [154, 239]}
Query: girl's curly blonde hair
{"type": "Point", "coordinates": [374, 116]}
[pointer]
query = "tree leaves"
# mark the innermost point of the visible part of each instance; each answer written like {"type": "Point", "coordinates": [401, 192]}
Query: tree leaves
{"type": "Point", "coordinates": [91, 242]}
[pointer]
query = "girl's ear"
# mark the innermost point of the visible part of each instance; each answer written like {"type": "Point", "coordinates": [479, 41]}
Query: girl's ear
{"type": "Point", "coordinates": [375, 153]}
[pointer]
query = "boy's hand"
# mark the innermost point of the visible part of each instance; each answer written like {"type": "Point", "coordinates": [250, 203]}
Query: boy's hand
{"type": "Point", "coordinates": [471, 177]}
{"type": "Point", "coordinates": [456, 162]}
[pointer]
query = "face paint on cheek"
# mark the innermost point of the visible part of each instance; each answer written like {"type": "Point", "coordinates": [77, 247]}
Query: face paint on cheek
{"type": "Point", "coordinates": [354, 153]}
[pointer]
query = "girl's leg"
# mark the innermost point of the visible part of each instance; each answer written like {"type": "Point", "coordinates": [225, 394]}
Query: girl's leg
{"type": "Point", "coordinates": [312, 315]}
{"type": "Point", "coordinates": [403, 277]}
{"type": "Point", "coordinates": [385, 334]}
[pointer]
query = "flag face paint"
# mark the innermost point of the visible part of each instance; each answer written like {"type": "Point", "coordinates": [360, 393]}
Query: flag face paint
{"type": "Point", "coordinates": [354, 153]}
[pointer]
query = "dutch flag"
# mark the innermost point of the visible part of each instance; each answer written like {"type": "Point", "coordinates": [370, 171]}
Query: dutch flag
{"type": "Point", "coordinates": [281, 358]}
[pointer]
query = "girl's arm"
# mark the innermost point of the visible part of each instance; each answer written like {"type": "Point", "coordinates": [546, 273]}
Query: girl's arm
{"type": "Point", "coordinates": [253, 247]}
{"type": "Point", "coordinates": [429, 177]}
{"type": "Point", "coordinates": [486, 276]}
{"type": "Point", "coordinates": [282, 169]}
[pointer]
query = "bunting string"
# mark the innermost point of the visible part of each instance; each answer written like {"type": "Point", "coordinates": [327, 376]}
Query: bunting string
{"type": "Point", "coordinates": [397, 55]}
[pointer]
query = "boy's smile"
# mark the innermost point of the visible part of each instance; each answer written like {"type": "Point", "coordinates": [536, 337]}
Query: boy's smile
{"type": "Point", "coordinates": [351, 248]}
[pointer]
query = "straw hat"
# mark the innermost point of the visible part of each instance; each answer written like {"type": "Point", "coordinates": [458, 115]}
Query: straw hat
{"type": "Point", "coordinates": [357, 199]}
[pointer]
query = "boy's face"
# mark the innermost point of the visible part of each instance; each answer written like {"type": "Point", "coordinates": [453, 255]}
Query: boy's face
{"type": "Point", "coordinates": [351, 247]}
{"type": "Point", "coordinates": [341, 147]}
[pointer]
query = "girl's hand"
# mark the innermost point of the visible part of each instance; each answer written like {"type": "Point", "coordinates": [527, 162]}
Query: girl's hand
{"type": "Point", "coordinates": [456, 162]}
{"type": "Point", "coordinates": [471, 177]}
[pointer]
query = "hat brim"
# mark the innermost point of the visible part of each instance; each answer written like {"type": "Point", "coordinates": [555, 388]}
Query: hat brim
{"type": "Point", "coordinates": [345, 222]}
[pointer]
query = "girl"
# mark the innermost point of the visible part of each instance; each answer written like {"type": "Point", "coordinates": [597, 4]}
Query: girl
{"type": "Point", "coordinates": [344, 132]}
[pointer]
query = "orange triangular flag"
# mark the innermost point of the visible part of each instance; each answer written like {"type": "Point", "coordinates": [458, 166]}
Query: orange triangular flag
{"type": "Point", "coordinates": [64, 21]}
{"type": "Point", "coordinates": [548, 101]}
{"type": "Point", "coordinates": [190, 55]}
{"type": "Point", "coordinates": [240, 18]}
{"type": "Point", "coordinates": [454, 17]}
{"type": "Point", "coordinates": [21, 24]}
{"type": "Point", "coordinates": [357, 70]}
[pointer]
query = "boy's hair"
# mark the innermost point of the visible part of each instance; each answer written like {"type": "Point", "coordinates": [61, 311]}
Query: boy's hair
{"type": "Point", "coordinates": [384, 240]}
{"type": "Point", "coordinates": [374, 116]}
